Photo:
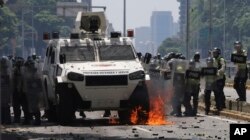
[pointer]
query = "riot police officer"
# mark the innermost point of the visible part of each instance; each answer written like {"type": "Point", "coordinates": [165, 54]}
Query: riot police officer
{"type": "Point", "coordinates": [5, 68]}
{"type": "Point", "coordinates": [192, 86]}
{"type": "Point", "coordinates": [221, 79]}
{"type": "Point", "coordinates": [33, 88]}
{"type": "Point", "coordinates": [178, 67]}
{"type": "Point", "coordinates": [18, 97]}
{"type": "Point", "coordinates": [210, 81]}
{"type": "Point", "coordinates": [242, 72]}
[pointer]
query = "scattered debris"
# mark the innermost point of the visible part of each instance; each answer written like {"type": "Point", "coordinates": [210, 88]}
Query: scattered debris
{"type": "Point", "coordinates": [155, 134]}
{"type": "Point", "coordinates": [136, 135]}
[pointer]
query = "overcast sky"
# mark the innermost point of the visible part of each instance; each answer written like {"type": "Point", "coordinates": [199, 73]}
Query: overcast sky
{"type": "Point", "coordinates": [138, 11]}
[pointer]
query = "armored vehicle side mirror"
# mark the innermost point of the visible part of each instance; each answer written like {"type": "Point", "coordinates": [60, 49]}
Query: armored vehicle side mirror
{"type": "Point", "coordinates": [62, 58]}
{"type": "Point", "coordinates": [147, 58]}
{"type": "Point", "coordinates": [139, 55]}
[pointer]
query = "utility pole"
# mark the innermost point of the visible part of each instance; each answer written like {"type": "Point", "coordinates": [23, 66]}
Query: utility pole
{"type": "Point", "coordinates": [210, 24]}
{"type": "Point", "coordinates": [124, 18]}
{"type": "Point", "coordinates": [224, 30]}
{"type": "Point", "coordinates": [23, 34]}
{"type": "Point", "coordinates": [187, 30]}
{"type": "Point", "coordinates": [32, 22]}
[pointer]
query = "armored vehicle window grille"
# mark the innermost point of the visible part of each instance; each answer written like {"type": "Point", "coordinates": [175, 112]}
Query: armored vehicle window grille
{"type": "Point", "coordinates": [116, 52]}
{"type": "Point", "coordinates": [78, 53]}
{"type": "Point", "coordinates": [115, 80]}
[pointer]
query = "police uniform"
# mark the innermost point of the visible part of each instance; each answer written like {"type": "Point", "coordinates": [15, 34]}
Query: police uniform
{"type": "Point", "coordinates": [210, 83]}
{"type": "Point", "coordinates": [33, 89]}
{"type": "Point", "coordinates": [5, 67]}
{"type": "Point", "coordinates": [18, 96]}
{"type": "Point", "coordinates": [241, 77]}
{"type": "Point", "coordinates": [220, 82]}
{"type": "Point", "coordinates": [192, 89]}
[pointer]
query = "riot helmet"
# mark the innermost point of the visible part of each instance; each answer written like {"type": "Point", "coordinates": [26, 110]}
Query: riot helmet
{"type": "Point", "coordinates": [237, 45]}
{"type": "Point", "coordinates": [197, 57]}
{"type": "Point", "coordinates": [177, 55]}
{"type": "Point", "coordinates": [182, 57]}
{"type": "Point", "coordinates": [34, 56]}
{"type": "Point", "coordinates": [216, 52]}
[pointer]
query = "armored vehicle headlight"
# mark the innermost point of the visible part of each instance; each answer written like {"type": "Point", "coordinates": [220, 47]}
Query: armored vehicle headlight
{"type": "Point", "coordinates": [75, 76]}
{"type": "Point", "coordinates": [137, 75]}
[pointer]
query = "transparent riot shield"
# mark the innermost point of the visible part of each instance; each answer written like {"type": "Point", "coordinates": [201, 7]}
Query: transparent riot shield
{"type": "Point", "coordinates": [179, 68]}
{"type": "Point", "coordinates": [209, 77]}
{"type": "Point", "coordinates": [32, 85]}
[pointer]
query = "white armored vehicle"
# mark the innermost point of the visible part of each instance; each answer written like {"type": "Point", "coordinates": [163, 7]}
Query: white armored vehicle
{"type": "Point", "coordinates": [90, 71]}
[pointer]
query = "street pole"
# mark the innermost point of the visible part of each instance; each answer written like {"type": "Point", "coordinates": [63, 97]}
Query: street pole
{"type": "Point", "coordinates": [32, 22]}
{"type": "Point", "coordinates": [187, 30]}
{"type": "Point", "coordinates": [224, 41]}
{"type": "Point", "coordinates": [23, 34]}
{"type": "Point", "coordinates": [124, 18]}
{"type": "Point", "coordinates": [210, 24]}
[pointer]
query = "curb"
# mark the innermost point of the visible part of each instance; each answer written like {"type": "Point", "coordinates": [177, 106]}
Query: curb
{"type": "Point", "coordinates": [231, 85]}
{"type": "Point", "coordinates": [228, 113]}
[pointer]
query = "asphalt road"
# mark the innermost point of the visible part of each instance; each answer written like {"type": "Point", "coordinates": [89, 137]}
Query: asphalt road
{"type": "Point", "coordinates": [95, 127]}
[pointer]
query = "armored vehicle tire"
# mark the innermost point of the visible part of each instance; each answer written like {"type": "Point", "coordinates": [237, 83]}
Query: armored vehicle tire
{"type": "Point", "coordinates": [51, 111]}
{"type": "Point", "coordinates": [139, 99]}
{"type": "Point", "coordinates": [65, 109]}
{"type": "Point", "coordinates": [124, 116]}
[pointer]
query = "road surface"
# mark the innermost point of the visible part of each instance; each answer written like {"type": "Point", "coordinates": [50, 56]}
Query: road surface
{"type": "Point", "coordinates": [95, 127]}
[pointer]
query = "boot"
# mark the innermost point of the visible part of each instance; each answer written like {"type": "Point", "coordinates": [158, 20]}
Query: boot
{"type": "Point", "coordinates": [37, 121]}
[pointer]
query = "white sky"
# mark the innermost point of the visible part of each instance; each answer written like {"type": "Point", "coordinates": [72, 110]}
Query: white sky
{"type": "Point", "coordinates": [138, 11]}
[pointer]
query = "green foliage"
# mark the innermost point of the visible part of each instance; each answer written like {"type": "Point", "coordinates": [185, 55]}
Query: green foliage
{"type": "Point", "coordinates": [22, 13]}
{"type": "Point", "coordinates": [8, 26]}
{"type": "Point", "coordinates": [170, 45]}
{"type": "Point", "coordinates": [236, 22]}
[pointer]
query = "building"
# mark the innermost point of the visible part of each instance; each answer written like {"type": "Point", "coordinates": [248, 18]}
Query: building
{"type": "Point", "coordinates": [176, 28]}
{"type": "Point", "coordinates": [143, 41]}
{"type": "Point", "coordinates": [183, 18]}
{"type": "Point", "coordinates": [161, 27]}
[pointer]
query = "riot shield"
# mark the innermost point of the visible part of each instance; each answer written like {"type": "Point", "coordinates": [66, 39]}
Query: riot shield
{"type": "Point", "coordinates": [32, 86]}
{"type": "Point", "coordinates": [179, 68]}
{"type": "Point", "coordinates": [5, 81]}
{"type": "Point", "coordinates": [209, 77]}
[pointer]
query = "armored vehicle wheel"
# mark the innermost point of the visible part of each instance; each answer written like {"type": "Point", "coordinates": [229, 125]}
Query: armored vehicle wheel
{"type": "Point", "coordinates": [139, 101]}
{"type": "Point", "coordinates": [124, 116]}
{"type": "Point", "coordinates": [65, 108]}
{"type": "Point", "coordinates": [50, 113]}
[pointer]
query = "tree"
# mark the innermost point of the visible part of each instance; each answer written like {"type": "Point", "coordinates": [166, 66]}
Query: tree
{"type": "Point", "coordinates": [8, 26]}
{"type": "Point", "coordinates": [170, 45]}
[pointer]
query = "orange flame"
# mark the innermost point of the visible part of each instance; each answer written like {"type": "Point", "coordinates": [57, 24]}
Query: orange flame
{"type": "Point", "coordinates": [134, 115]}
{"type": "Point", "coordinates": [156, 114]}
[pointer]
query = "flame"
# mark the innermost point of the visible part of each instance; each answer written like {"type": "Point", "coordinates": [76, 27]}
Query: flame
{"type": "Point", "coordinates": [156, 115]}
{"type": "Point", "coordinates": [134, 114]}
{"type": "Point", "coordinates": [113, 120]}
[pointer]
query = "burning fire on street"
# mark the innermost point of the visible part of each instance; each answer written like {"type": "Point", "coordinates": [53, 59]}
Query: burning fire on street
{"type": "Point", "coordinates": [156, 115]}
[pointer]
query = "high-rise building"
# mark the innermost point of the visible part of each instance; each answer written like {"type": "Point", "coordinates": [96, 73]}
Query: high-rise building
{"type": "Point", "coordinates": [161, 27]}
{"type": "Point", "coordinates": [143, 41]}
{"type": "Point", "coordinates": [176, 28]}
{"type": "Point", "coordinates": [183, 18]}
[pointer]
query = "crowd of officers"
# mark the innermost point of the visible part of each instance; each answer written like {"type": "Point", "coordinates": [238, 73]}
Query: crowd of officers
{"type": "Point", "coordinates": [185, 76]}
{"type": "Point", "coordinates": [21, 88]}
{"type": "Point", "coordinates": [21, 84]}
